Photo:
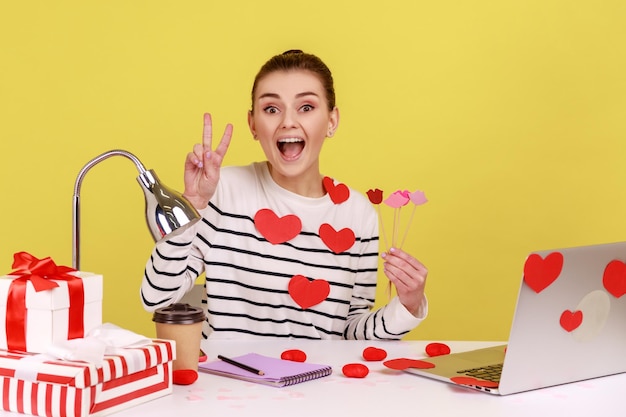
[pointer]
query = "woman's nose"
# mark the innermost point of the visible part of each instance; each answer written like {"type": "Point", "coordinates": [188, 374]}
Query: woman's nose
{"type": "Point", "coordinates": [290, 119]}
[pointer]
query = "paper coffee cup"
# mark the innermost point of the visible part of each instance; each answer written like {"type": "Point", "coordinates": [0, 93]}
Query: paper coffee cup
{"type": "Point", "coordinates": [183, 324]}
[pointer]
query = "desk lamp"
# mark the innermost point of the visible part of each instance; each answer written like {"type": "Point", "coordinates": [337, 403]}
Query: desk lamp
{"type": "Point", "coordinates": [167, 211]}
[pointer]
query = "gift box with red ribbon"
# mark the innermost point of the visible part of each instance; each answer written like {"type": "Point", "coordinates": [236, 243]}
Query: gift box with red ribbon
{"type": "Point", "coordinates": [42, 304]}
{"type": "Point", "coordinates": [61, 388]}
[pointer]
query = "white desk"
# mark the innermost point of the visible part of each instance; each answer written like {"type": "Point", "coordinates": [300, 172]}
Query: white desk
{"type": "Point", "coordinates": [383, 392]}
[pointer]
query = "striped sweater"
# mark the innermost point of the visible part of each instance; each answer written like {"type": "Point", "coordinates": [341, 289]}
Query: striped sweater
{"type": "Point", "coordinates": [255, 288]}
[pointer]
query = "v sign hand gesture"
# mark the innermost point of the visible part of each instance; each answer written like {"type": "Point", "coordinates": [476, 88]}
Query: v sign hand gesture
{"type": "Point", "coordinates": [202, 166]}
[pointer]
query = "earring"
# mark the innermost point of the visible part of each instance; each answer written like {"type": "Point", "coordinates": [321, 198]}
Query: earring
{"type": "Point", "coordinates": [330, 133]}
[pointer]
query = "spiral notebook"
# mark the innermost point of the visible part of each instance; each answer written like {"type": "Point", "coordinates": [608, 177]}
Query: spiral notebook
{"type": "Point", "coordinates": [277, 372]}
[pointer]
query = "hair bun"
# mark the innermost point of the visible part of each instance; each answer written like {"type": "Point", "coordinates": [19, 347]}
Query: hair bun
{"type": "Point", "coordinates": [293, 51]}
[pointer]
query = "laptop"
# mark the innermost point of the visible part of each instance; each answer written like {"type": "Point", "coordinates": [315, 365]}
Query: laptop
{"type": "Point", "coordinates": [569, 325]}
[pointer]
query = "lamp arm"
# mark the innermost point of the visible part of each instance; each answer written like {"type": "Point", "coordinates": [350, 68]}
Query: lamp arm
{"type": "Point", "coordinates": [76, 199]}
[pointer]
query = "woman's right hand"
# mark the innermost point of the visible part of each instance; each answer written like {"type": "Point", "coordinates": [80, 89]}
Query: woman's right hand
{"type": "Point", "coordinates": [202, 166]}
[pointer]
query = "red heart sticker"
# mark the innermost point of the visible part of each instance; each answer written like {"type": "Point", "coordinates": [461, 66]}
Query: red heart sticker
{"type": "Point", "coordinates": [355, 370]}
{"type": "Point", "coordinates": [539, 273]}
{"type": "Point", "coordinates": [468, 380]}
{"type": "Point", "coordinates": [374, 354]}
{"type": "Point", "coordinates": [614, 278]}
{"type": "Point", "coordinates": [570, 320]}
{"type": "Point", "coordinates": [404, 363]}
{"type": "Point", "coordinates": [437, 349]}
{"type": "Point", "coordinates": [337, 193]}
{"type": "Point", "coordinates": [294, 355]}
{"type": "Point", "coordinates": [308, 293]}
{"type": "Point", "coordinates": [337, 241]}
{"type": "Point", "coordinates": [277, 229]}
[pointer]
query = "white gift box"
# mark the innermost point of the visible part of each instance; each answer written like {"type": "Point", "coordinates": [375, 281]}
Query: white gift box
{"type": "Point", "coordinates": [47, 312]}
{"type": "Point", "coordinates": [57, 388]}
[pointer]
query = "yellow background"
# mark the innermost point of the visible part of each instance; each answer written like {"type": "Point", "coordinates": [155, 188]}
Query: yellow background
{"type": "Point", "coordinates": [510, 115]}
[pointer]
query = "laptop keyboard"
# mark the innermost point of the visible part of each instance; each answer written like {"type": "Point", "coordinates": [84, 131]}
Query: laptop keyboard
{"type": "Point", "coordinates": [486, 373]}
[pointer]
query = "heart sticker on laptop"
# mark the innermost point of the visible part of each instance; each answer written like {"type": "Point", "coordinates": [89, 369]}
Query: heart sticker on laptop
{"type": "Point", "coordinates": [570, 320]}
{"type": "Point", "coordinates": [614, 278]}
{"type": "Point", "coordinates": [401, 364]}
{"type": "Point", "coordinates": [468, 380]}
{"type": "Point", "coordinates": [308, 293]}
{"type": "Point", "coordinates": [540, 272]}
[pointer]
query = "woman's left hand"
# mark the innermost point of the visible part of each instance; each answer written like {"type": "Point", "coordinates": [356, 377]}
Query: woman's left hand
{"type": "Point", "coordinates": [409, 277]}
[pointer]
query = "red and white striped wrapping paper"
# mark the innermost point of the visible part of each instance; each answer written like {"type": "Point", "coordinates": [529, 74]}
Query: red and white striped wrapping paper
{"type": "Point", "coordinates": [78, 389]}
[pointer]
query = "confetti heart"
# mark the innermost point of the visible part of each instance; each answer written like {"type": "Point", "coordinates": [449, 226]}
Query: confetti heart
{"type": "Point", "coordinates": [355, 370]}
{"type": "Point", "coordinates": [403, 363]}
{"type": "Point", "coordinates": [468, 380]}
{"type": "Point", "coordinates": [337, 193]}
{"type": "Point", "coordinates": [337, 241]}
{"type": "Point", "coordinates": [374, 354]}
{"type": "Point", "coordinates": [294, 355]}
{"type": "Point", "coordinates": [539, 273]}
{"type": "Point", "coordinates": [437, 349]}
{"type": "Point", "coordinates": [570, 320]}
{"type": "Point", "coordinates": [277, 229]}
{"type": "Point", "coordinates": [308, 293]}
{"type": "Point", "coordinates": [614, 278]}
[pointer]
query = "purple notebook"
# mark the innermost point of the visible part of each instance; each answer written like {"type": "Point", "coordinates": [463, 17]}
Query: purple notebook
{"type": "Point", "coordinates": [277, 372]}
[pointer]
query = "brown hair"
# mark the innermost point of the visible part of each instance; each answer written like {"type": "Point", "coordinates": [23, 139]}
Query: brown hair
{"type": "Point", "coordinates": [293, 60]}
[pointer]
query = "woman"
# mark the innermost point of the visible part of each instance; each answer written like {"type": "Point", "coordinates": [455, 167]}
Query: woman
{"type": "Point", "coordinates": [286, 251]}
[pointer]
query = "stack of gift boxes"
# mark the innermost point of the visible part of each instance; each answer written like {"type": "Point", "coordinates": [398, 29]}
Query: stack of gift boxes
{"type": "Point", "coordinates": [42, 305]}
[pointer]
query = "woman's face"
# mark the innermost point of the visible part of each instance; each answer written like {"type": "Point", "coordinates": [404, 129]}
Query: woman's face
{"type": "Point", "coordinates": [291, 120]}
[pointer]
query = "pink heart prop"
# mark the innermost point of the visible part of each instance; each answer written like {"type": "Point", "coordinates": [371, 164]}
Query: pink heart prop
{"type": "Point", "coordinates": [404, 363]}
{"type": "Point", "coordinates": [614, 278]}
{"type": "Point", "coordinates": [337, 193]}
{"type": "Point", "coordinates": [539, 273]}
{"type": "Point", "coordinates": [418, 198]}
{"type": "Point", "coordinates": [308, 293]}
{"type": "Point", "coordinates": [397, 199]}
{"type": "Point", "coordinates": [277, 229]}
{"type": "Point", "coordinates": [570, 320]}
{"type": "Point", "coordinates": [337, 241]}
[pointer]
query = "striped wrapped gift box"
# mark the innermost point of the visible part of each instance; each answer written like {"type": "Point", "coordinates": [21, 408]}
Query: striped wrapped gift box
{"type": "Point", "coordinates": [56, 388]}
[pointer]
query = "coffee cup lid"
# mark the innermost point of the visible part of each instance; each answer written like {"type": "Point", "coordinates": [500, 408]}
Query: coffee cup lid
{"type": "Point", "coordinates": [178, 313]}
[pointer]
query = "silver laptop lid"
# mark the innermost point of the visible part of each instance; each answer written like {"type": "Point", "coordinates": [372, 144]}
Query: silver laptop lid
{"type": "Point", "coordinates": [570, 319]}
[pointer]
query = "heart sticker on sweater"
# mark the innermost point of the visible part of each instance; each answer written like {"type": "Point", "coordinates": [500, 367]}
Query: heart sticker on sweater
{"type": "Point", "coordinates": [277, 229]}
{"type": "Point", "coordinates": [307, 293]}
{"type": "Point", "coordinates": [539, 273]}
{"type": "Point", "coordinates": [337, 241]}
{"type": "Point", "coordinates": [338, 193]}
{"type": "Point", "coordinates": [570, 320]}
{"type": "Point", "coordinates": [614, 278]}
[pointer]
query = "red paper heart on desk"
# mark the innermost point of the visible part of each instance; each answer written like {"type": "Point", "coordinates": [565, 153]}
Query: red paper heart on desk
{"type": "Point", "coordinates": [355, 370]}
{"type": "Point", "coordinates": [468, 380]}
{"type": "Point", "coordinates": [404, 363]}
{"type": "Point", "coordinates": [337, 193]}
{"type": "Point", "coordinates": [374, 354]}
{"type": "Point", "coordinates": [437, 349]}
{"type": "Point", "coordinates": [570, 320]}
{"type": "Point", "coordinates": [539, 273]}
{"type": "Point", "coordinates": [337, 241]}
{"type": "Point", "coordinates": [277, 229]}
{"type": "Point", "coordinates": [308, 293]}
{"type": "Point", "coordinates": [614, 278]}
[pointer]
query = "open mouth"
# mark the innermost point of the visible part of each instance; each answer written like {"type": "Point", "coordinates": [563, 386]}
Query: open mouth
{"type": "Point", "coordinates": [290, 148]}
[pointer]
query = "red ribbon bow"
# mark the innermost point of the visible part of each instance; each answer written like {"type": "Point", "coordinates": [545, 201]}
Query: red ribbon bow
{"type": "Point", "coordinates": [40, 272]}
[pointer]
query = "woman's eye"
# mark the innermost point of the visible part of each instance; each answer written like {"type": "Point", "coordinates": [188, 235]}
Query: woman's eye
{"type": "Point", "coordinates": [270, 109]}
{"type": "Point", "coordinates": [307, 107]}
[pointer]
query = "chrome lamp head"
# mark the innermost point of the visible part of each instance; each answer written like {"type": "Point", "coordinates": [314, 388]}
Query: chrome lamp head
{"type": "Point", "coordinates": [167, 211]}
